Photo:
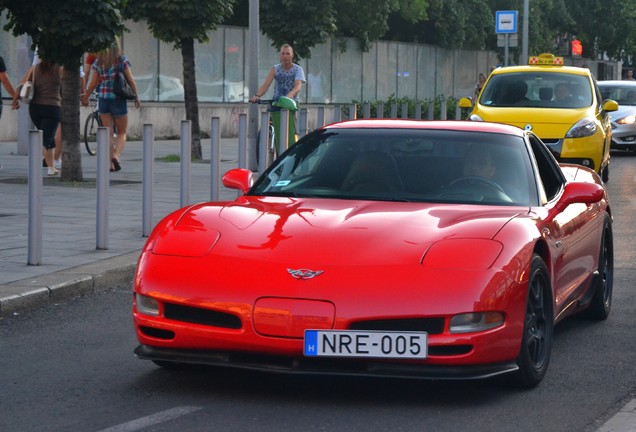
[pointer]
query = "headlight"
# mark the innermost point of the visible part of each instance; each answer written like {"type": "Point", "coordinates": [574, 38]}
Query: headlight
{"type": "Point", "coordinates": [147, 305]}
{"type": "Point", "coordinates": [582, 128]}
{"type": "Point", "coordinates": [476, 321]}
{"type": "Point", "coordinates": [475, 117]}
{"type": "Point", "coordinates": [627, 120]}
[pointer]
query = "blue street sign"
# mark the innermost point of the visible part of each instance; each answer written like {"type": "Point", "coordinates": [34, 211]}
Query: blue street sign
{"type": "Point", "coordinates": [506, 21]}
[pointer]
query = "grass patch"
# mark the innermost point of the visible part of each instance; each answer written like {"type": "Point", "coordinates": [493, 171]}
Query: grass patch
{"type": "Point", "coordinates": [170, 158]}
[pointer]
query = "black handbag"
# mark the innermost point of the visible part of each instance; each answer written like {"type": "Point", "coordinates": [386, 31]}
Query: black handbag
{"type": "Point", "coordinates": [121, 88]}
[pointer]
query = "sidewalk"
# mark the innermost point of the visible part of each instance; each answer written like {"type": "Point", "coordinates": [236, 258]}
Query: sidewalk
{"type": "Point", "coordinates": [71, 264]}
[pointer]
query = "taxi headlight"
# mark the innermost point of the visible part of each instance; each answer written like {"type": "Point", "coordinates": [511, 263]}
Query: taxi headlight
{"type": "Point", "coordinates": [582, 128]}
{"type": "Point", "coordinates": [475, 117]}
{"type": "Point", "coordinates": [146, 305]}
{"type": "Point", "coordinates": [476, 321]}
{"type": "Point", "coordinates": [627, 120]}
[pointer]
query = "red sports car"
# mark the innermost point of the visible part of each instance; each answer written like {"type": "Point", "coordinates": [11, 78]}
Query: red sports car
{"type": "Point", "coordinates": [382, 247]}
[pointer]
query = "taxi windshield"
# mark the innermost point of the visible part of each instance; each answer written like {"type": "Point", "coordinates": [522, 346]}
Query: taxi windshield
{"type": "Point", "coordinates": [537, 90]}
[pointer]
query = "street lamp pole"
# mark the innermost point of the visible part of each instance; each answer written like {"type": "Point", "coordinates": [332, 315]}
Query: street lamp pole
{"type": "Point", "coordinates": [524, 39]}
{"type": "Point", "coordinates": [253, 54]}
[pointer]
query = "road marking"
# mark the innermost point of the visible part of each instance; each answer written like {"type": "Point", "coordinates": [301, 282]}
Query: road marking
{"type": "Point", "coordinates": [154, 419]}
{"type": "Point", "coordinates": [622, 421]}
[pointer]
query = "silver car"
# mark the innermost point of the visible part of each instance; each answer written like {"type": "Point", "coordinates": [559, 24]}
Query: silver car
{"type": "Point", "coordinates": [623, 120]}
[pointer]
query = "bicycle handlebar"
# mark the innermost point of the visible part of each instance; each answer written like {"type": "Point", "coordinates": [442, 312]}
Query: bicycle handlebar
{"type": "Point", "coordinates": [263, 101]}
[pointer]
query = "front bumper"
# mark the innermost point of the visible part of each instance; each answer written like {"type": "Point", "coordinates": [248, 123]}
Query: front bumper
{"type": "Point", "coordinates": [322, 366]}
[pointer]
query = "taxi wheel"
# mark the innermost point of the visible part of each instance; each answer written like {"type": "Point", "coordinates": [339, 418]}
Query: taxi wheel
{"type": "Point", "coordinates": [605, 174]}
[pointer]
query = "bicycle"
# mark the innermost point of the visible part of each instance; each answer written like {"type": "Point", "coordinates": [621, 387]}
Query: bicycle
{"type": "Point", "coordinates": [273, 128]}
{"type": "Point", "coordinates": [90, 128]}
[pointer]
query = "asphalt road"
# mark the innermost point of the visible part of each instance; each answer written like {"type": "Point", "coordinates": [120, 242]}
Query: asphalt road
{"type": "Point", "coordinates": [70, 367]}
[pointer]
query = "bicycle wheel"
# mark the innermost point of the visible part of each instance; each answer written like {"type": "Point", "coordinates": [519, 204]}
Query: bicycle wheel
{"type": "Point", "coordinates": [272, 146]}
{"type": "Point", "coordinates": [272, 151]}
{"type": "Point", "coordinates": [90, 132]}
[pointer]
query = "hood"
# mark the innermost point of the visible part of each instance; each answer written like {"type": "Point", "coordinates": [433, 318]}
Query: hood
{"type": "Point", "coordinates": [330, 231]}
{"type": "Point", "coordinates": [623, 111]}
{"type": "Point", "coordinates": [545, 122]}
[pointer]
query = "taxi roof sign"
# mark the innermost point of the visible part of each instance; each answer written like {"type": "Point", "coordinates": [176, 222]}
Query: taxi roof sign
{"type": "Point", "coordinates": [545, 59]}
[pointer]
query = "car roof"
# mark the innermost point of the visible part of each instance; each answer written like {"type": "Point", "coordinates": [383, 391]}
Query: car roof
{"type": "Point", "coordinates": [542, 69]}
{"type": "Point", "coordinates": [617, 83]}
{"type": "Point", "coordinates": [452, 125]}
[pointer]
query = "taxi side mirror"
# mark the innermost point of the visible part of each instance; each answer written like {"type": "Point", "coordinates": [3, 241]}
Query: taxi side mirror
{"type": "Point", "coordinates": [465, 103]}
{"type": "Point", "coordinates": [610, 105]}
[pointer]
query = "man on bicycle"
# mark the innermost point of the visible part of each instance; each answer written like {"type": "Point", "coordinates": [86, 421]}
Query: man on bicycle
{"type": "Point", "coordinates": [288, 75]}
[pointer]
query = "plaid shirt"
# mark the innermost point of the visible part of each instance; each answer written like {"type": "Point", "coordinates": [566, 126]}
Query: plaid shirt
{"type": "Point", "coordinates": [107, 77]}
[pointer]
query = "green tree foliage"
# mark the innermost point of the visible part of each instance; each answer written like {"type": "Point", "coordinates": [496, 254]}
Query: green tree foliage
{"type": "Point", "coordinates": [306, 24]}
{"type": "Point", "coordinates": [605, 27]}
{"type": "Point", "coordinates": [181, 22]}
{"type": "Point", "coordinates": [300, 23]}
{"type": "Point", "coordinates": [63, 31]}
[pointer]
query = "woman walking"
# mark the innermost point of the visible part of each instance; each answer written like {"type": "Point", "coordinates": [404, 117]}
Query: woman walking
{"type": "Point", "coordinates": [113, 110]}
{"type": "Point", "coordinates": [45, 108]}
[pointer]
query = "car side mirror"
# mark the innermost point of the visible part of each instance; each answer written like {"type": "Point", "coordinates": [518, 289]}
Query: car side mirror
{"type": "Point", "coordinates": [580, 193]}
{"type": "Point", "coordinates": [465, 103]}
{"type": "Point", "coordinates": [238, 178]}
{"type": "Point", "coordinates": [610, 105]}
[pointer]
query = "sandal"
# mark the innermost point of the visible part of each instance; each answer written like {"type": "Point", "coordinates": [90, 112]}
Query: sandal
{"type": "Point", "coordinates": [116, 165]}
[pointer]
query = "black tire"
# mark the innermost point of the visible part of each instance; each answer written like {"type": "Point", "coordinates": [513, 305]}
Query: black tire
{"type": "Point", "coordinates": [538, 328]}
{"type": "Point", "coordinates": [605, 174]}
{"type": "Point", "coordinates": [90, 132]}
{"type": "Point", "coordinates": [603, 284]}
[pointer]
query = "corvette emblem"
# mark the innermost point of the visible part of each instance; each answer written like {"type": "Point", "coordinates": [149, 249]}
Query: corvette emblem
{"type": "Point", "coordinates": [304, 273]}
{"type": "Point", "coordinates": [528, 127]}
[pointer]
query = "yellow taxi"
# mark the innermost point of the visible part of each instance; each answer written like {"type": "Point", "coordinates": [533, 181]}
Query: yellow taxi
{"type": "Point", "coordinates": [560, 104]}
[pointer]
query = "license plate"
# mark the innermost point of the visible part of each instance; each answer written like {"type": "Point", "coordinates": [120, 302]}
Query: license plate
{"type": "Point", "coordinates": [343, 343]}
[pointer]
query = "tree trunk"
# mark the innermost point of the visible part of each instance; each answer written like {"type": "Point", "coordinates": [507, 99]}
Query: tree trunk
{"type": "Point", "coordinates": [191, 100]}
{"type": "Point", "coordinates": [71, 157]}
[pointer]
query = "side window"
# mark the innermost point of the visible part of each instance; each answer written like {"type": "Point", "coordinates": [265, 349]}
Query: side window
{"type": "Point", "coordinates": [550, 175]}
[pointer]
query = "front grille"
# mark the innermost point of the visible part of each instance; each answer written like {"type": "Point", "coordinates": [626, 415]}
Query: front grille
{"type": "Point", "coordinates": [428, 325]}
{"type": "Point", "coordinates": [201, 316]}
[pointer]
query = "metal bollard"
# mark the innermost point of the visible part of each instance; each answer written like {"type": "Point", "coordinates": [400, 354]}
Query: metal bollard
{"type": "Point", "coordinates": [337, 114]}
{"type": "Point", "coordinates": [394, 110]}
{"type": "Point", "coordinates": [215, 158]}
{"type": "Point", "coordinates": [262, 142]}
{"type": "Point", "coordinates": [418, 111]}
{"type": "Point", "coordinates": [405, 110]}
{"type": "Point", "coordinates": [443, 110]}
{"type": "Point", "coordinates": [103, 185]}
{"type": "Point", "coordinates": [302, 123]}
{"type": "Point", "coordinates": [148, 179]}
{"type": "Point", "coordinates": [366, 110]}
{"type": "Point", "coordinates": [186, 146]}
{"type": "Point", "coordinates": [431, 110]}
{"type": "Point", "coordinates": [379, 110]}
{"type": "Point", "coordinates": [321, 117]}
{"type": "Point", "coordinates": [242, 141]}
{"type": "Point", "coordinates": [353, 114]}
{"type": "Point", "coordinates": [34, 255]}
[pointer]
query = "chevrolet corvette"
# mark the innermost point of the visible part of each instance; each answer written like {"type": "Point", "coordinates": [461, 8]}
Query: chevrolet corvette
{"type": "Point", "coordinates": [382, 247]}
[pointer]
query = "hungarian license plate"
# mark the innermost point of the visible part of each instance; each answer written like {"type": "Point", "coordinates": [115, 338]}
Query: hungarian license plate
{"type": "Point", "coordinates": [377, 344]}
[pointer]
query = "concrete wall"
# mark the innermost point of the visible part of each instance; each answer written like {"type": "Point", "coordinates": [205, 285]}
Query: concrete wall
{"type": "Point", "coordinates": [166, 118]}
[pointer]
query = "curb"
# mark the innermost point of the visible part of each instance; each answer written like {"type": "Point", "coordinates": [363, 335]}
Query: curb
{"type": "Point", "coordinates": [31, 293]}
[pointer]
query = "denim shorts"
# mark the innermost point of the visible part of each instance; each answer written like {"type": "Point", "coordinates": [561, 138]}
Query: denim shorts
{"type": "Point", "coordinates": [115, 107]}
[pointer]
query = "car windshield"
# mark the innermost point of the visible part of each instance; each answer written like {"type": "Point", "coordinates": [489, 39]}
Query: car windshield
{"type": "Point", "coordinates": [410, 165]}
{"type": "Point", "coordinates": [537, 90]}
{"type": "Point", "coordinates": [623, 94]}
